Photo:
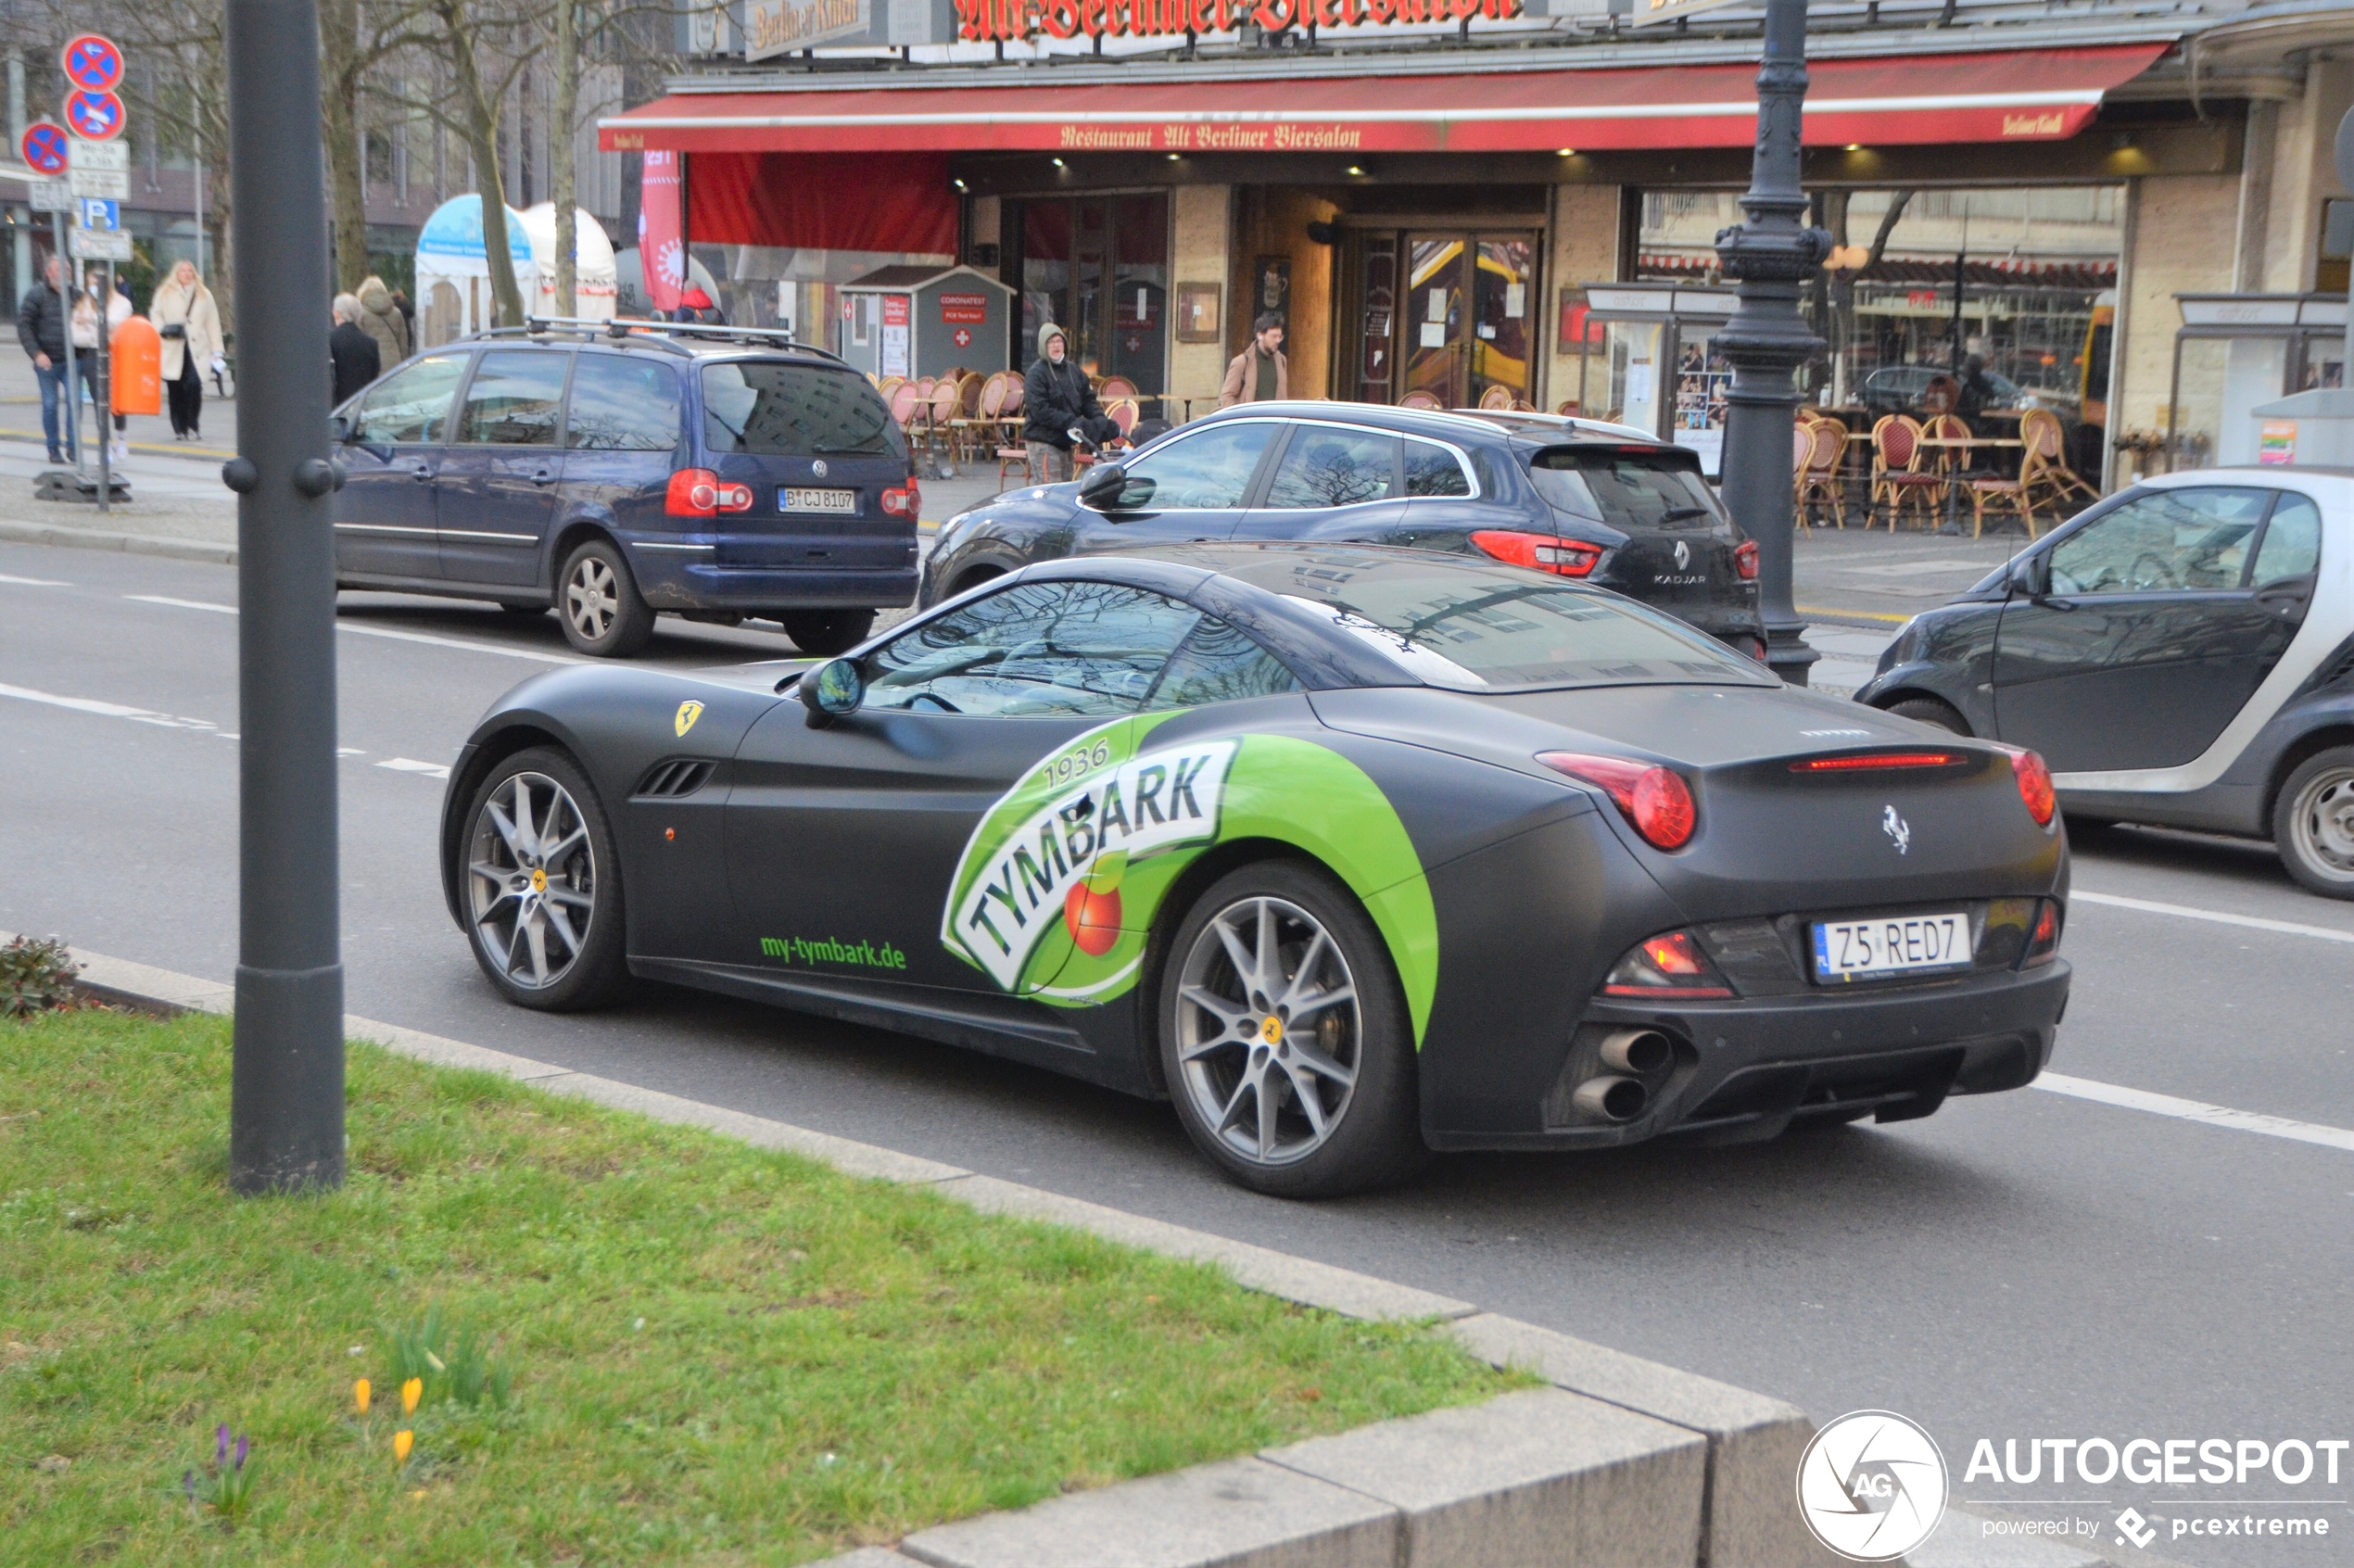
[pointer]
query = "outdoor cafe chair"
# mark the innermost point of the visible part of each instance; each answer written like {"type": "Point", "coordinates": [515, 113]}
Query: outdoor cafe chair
{"type": "Point", "coordinates": [1897, 480]}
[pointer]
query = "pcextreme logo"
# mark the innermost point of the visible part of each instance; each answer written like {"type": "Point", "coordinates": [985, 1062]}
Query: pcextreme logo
{"type": "Point", "coordinates": [1872, 1485]}
{"type": "Point", "coordinates": [1057, 888]}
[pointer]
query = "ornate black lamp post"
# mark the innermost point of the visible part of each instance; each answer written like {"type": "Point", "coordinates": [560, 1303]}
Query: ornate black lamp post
{"type": "Point", "coordinates": [1772, 254]}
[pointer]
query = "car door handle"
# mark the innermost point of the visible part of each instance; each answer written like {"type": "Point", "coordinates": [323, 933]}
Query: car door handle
{"type": "Point", "coordinates": [421, 471]}
{"type": "Point", "coordinates": [543, 475]}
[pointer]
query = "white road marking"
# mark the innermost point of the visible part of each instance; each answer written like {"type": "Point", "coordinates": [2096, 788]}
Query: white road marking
{"type": "Point", "coordinates": [467, 643]}
{"type": "Point", "coordinates": [411, 764]}
{"type": "Point", "coordinates": [33, 582]}
{"type": "Point", "coordinates": [2253, 922]}
{"type": "Point", "coordinates": [181, 603]}
{"type": "Point", "coordinates": [2197, 1110]}
{"type": "Point", "coordinates": [107, 709]}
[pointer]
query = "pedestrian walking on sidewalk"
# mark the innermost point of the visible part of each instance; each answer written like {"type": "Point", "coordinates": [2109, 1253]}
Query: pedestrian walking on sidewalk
{"type": "Point", "coordinates": [352, 351]}
{"type": "Point", "coordinates": [42, 321]}
{"type": "Point", "coordinates": [189, 323]}
{"type": "Point", "coordinates": [1059, 405]}
{"type": "Point", "coordinates": [381, 320]}
{"type": "Point", "coordinates": [1260, 374]}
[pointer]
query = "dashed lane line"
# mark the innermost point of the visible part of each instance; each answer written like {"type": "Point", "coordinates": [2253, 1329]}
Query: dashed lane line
{"type": "Point", "coordinates": [411, 764]}
{"type": "Point", "coordinates": [2197, 1110]}
{"type": "Point", "coordinates": [33, 582]}
{"type": "Point", "coordinates": [175, 721]}
{"type": "Point", "coordinates": [181, 603]}
{"type": "Point", "coordinates": [2220, 916]}
{"type": "Point", "coordinates": [469, 644]}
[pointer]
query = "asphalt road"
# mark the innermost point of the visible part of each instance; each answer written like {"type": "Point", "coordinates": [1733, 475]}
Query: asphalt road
{"type": "Point", "coordinates": [2022, 1265]}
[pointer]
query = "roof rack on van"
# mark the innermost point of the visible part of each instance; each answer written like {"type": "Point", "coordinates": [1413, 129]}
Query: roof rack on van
{"type": "Point", "coordinates": [624, 328]}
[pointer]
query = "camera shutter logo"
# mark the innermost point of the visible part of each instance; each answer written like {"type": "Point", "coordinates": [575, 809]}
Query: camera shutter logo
{"type": "Point", "coordinates": [1872, 1485]}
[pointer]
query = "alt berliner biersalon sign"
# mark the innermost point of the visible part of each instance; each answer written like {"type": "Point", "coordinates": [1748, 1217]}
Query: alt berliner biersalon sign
{"type": "Point", "coordinates": [986, 19]}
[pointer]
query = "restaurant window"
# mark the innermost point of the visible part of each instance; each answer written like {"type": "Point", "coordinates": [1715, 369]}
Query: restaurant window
{"type": "Point", "coordinates": [1098, 267]}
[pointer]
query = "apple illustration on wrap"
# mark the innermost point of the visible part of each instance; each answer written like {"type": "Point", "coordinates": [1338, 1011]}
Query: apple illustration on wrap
{"type": "Point", "coordinates": [1090, 910]}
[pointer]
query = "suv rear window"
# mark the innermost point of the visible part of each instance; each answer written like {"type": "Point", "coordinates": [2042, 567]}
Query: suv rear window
{"type": "Point", "coordinates": [1628, 487]}
{"type": "Point", "coordinates": [769, 408]}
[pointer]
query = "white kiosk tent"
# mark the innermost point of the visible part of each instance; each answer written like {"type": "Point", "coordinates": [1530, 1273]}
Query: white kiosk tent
{"type": "Point", "coordinates": [596, 279]}
{"type": "Point", "coordinates": [453, 271]}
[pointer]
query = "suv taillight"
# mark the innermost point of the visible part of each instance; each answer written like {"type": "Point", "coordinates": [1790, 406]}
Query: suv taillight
{"type": "Point", "coordinates": [697, 492]}
{"type": "Point", "coordinates": [905, 502]}
{"type": "Point", "coordinates": [1566, 558]}
{"type": "Point", "coordinates": [1745, 560]}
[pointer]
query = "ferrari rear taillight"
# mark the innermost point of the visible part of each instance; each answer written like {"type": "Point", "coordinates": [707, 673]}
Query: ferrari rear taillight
{"type": "Point", "coordinates": [698, 492]}
{"type": "Point", "coordinates": [1654, 799]}
{"type": "Point", "coordinates": [2044, 946]}
{"type": "Point", "coordinates": [2035, 784]}
{"type": "Point", "coordinates": [1745, 560]}
{"type": "Point", "coordinates": [903, 501]}
{"type": "Point", "coordinates": [1668, 965]}
{"type": "Point", "coordinates": [1566, 558]}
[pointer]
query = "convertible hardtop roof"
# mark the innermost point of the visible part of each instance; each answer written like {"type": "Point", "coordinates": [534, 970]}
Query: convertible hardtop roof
{"type": "Point", "coordinates": [1519, 427]}
{"type": "Point", "coordinates": [1282, 566]}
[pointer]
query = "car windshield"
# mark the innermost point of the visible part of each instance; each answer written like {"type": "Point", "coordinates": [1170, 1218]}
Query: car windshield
{"type": "Point", "coordinates": [771, 408]}
{"type": "Point", "coordinates": [1474, 628]}
{"type": "Point", "coordinates": [1628, 487]}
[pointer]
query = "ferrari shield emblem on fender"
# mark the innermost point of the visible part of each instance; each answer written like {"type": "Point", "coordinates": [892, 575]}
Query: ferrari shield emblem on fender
{"type": "Point", "coordinates": [688, 711]}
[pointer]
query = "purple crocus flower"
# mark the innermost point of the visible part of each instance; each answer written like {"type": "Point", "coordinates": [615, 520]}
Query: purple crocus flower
{"type": "Point", "coordinates": [241, 1453]}
{"type": "Point", "coordinates": [220, 1446]}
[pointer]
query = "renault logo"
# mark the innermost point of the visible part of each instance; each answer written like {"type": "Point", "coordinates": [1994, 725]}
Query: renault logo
{"type": "Point", "coordinates": [1683, 555]}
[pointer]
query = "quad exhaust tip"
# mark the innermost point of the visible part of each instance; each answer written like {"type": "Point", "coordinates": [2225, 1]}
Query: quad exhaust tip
{"type": "Point", "coordinates": [1645, 1053]}
{"type": "Point", "coordinates": [1612, 1097]}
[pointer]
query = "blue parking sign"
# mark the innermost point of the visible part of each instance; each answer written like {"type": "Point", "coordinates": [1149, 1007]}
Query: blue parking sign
{"type": "Point", "coordinates": [96, 212]}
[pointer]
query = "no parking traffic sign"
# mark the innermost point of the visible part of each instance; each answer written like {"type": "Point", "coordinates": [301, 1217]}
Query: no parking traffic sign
{"type": "Point", "coordinates": [95, 116]}
{"type": "Point", "coordinates": [44, 148]}
{"type": "Point", "coordinates": [92, 62]}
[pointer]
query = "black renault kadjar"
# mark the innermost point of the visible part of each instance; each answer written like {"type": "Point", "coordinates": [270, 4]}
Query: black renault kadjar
{"type": "Point", "coordinates": [615, 472]}
{"type": "Point", "coordinates": [1602, 504]}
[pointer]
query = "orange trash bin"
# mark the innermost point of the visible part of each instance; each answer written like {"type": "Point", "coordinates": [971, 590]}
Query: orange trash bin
{"type": "Point", "coordinates": [137, 370]}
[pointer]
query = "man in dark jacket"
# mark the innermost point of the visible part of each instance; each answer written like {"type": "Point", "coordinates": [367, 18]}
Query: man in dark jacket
{"type": "Point", "coordinates": [41, 328]}
{"type": "Point", "coordinates": [352, 351]}
{"type": "Point", "coordinates": [1058, 406]}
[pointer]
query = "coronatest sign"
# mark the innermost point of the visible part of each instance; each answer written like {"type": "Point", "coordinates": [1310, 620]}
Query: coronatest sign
{"type": "Point", "coordinates": [985, 19]}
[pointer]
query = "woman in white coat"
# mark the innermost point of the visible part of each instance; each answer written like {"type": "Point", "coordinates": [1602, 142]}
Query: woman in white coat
{"type": "Point", "coordinates": [190, 325]}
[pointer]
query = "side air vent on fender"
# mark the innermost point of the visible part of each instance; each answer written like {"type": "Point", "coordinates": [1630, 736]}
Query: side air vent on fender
{"type": "Point", "coordinates": [674, 776]}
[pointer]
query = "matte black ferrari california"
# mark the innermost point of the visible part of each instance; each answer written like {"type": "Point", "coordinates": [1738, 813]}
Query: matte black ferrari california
{"type": "Point", "coordinates": [1350, 853]}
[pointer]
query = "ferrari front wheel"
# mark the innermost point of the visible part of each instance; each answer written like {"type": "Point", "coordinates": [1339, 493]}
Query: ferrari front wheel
{"type": "Point", "coordinates": [1284, 1037]}
{"type": "Point", "coordinates": [541, 882]}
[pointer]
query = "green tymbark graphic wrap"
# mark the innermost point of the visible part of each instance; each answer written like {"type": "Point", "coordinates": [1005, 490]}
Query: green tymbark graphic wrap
{"type": "Point", "coordinates": [1060, 884]}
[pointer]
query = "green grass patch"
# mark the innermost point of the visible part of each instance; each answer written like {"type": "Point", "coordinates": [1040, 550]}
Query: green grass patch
{"type": "Point", "coordinates": [637, 1343]}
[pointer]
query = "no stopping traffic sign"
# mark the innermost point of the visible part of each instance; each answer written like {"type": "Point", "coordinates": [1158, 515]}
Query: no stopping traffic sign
{"type": "Point", "coordinates": [44, 148]}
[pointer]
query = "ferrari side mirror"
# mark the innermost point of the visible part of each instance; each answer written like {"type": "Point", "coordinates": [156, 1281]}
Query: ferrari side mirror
{"type": "Point", "coordinates": [1102, 486]}
{"type": "Point", "coordinates": [832, 690]}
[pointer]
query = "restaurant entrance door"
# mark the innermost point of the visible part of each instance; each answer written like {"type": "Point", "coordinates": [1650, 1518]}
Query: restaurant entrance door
{"type": "Point", "coordinates": [1449, 315]}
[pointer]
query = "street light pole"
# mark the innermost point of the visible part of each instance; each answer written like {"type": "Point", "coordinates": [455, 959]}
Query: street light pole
{"type": "Point", "coordinates": [1771, 255]}
{"type": "Point", "coordinates": [285, 1099]}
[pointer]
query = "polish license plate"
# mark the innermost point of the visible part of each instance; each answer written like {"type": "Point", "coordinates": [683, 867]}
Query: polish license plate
{"type": "Point", "coordinates": [1893, 944]}
{"type": "Point", "coordinates": [817, 500]}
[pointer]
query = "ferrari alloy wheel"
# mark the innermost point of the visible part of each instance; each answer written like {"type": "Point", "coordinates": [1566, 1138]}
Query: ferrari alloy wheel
{"type": "Point", "coordinates": [1283, 1037]}
{"type": "Point", "coordinates": [2313, 823]}
{"type": "Point", "coordinates": [542, 891]}
{"type": "Point", "coordinates": [603, 612]}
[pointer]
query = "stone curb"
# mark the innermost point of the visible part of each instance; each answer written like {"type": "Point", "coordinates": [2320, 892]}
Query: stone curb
{"type": "Point", "coordinates": [60, 536]}
{"type": "Point", "coordinates": [1622, 1460]}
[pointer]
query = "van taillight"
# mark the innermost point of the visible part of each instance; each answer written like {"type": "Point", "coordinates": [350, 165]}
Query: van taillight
{"type": "Point", "coordinates": [903, 501]}
{"type": "Point", "coordinates": [697, 492]}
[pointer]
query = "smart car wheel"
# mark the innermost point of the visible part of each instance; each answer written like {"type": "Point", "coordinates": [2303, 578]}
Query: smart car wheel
{"type": "Point", "coordinates": [1284, 1037]}
{"type": "Point", "coordinates": [541, 884]}
{"type": "Point", "coordinates": [821, 634]}
{"type": "Point", "coordinates": [2313, 823]}
{"type": "Point", "coordinates": [603, 612]}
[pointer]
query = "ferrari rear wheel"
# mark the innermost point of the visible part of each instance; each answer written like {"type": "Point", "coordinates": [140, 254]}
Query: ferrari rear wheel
{"type": "Point", "coordinates": [1284, 1037]}
{"type": "Point", "coordinates": [541, 884]}
{"type": "Point", "coordinates": [2313, 823]}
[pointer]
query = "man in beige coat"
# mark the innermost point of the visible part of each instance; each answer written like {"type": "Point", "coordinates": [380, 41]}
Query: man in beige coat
{"type": "Point", "coordinates": [1258, 373]}
{"type": "Point", "coordinates": [190, 325]}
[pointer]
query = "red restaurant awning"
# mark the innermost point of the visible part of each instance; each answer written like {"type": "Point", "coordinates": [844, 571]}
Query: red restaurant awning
{"type": "Point", "coordinates": [2027, 94]}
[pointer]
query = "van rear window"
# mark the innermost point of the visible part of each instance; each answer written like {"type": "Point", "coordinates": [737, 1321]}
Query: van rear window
{"type": "Point", "coordinates": [1629, 486]}
{"type": "Point", "coordinates": [774, 409]}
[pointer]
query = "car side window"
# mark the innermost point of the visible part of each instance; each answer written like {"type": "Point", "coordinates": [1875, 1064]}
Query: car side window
{"type": "Point", "coordinates": [1432, 470]}
{"type": "Point", "coordinates": [1207, 472]}
{"type": "Point", "coordinates": [623, 404]}
{"type": "Point", "coordinates": [409, 406]}
{"type": "Point", "coordinates": [2168, 541]}
{"type": "Point", "coordinates": [1328, 466]}
{"type": "Point", "coordinates": [1088, 650]}
{"type": "Point", "coordinates": [515, 400]}
{"type": "Point", "coordinates": [2292, 543]}
{"type": "Point", "coordinates": [1220, 663]}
